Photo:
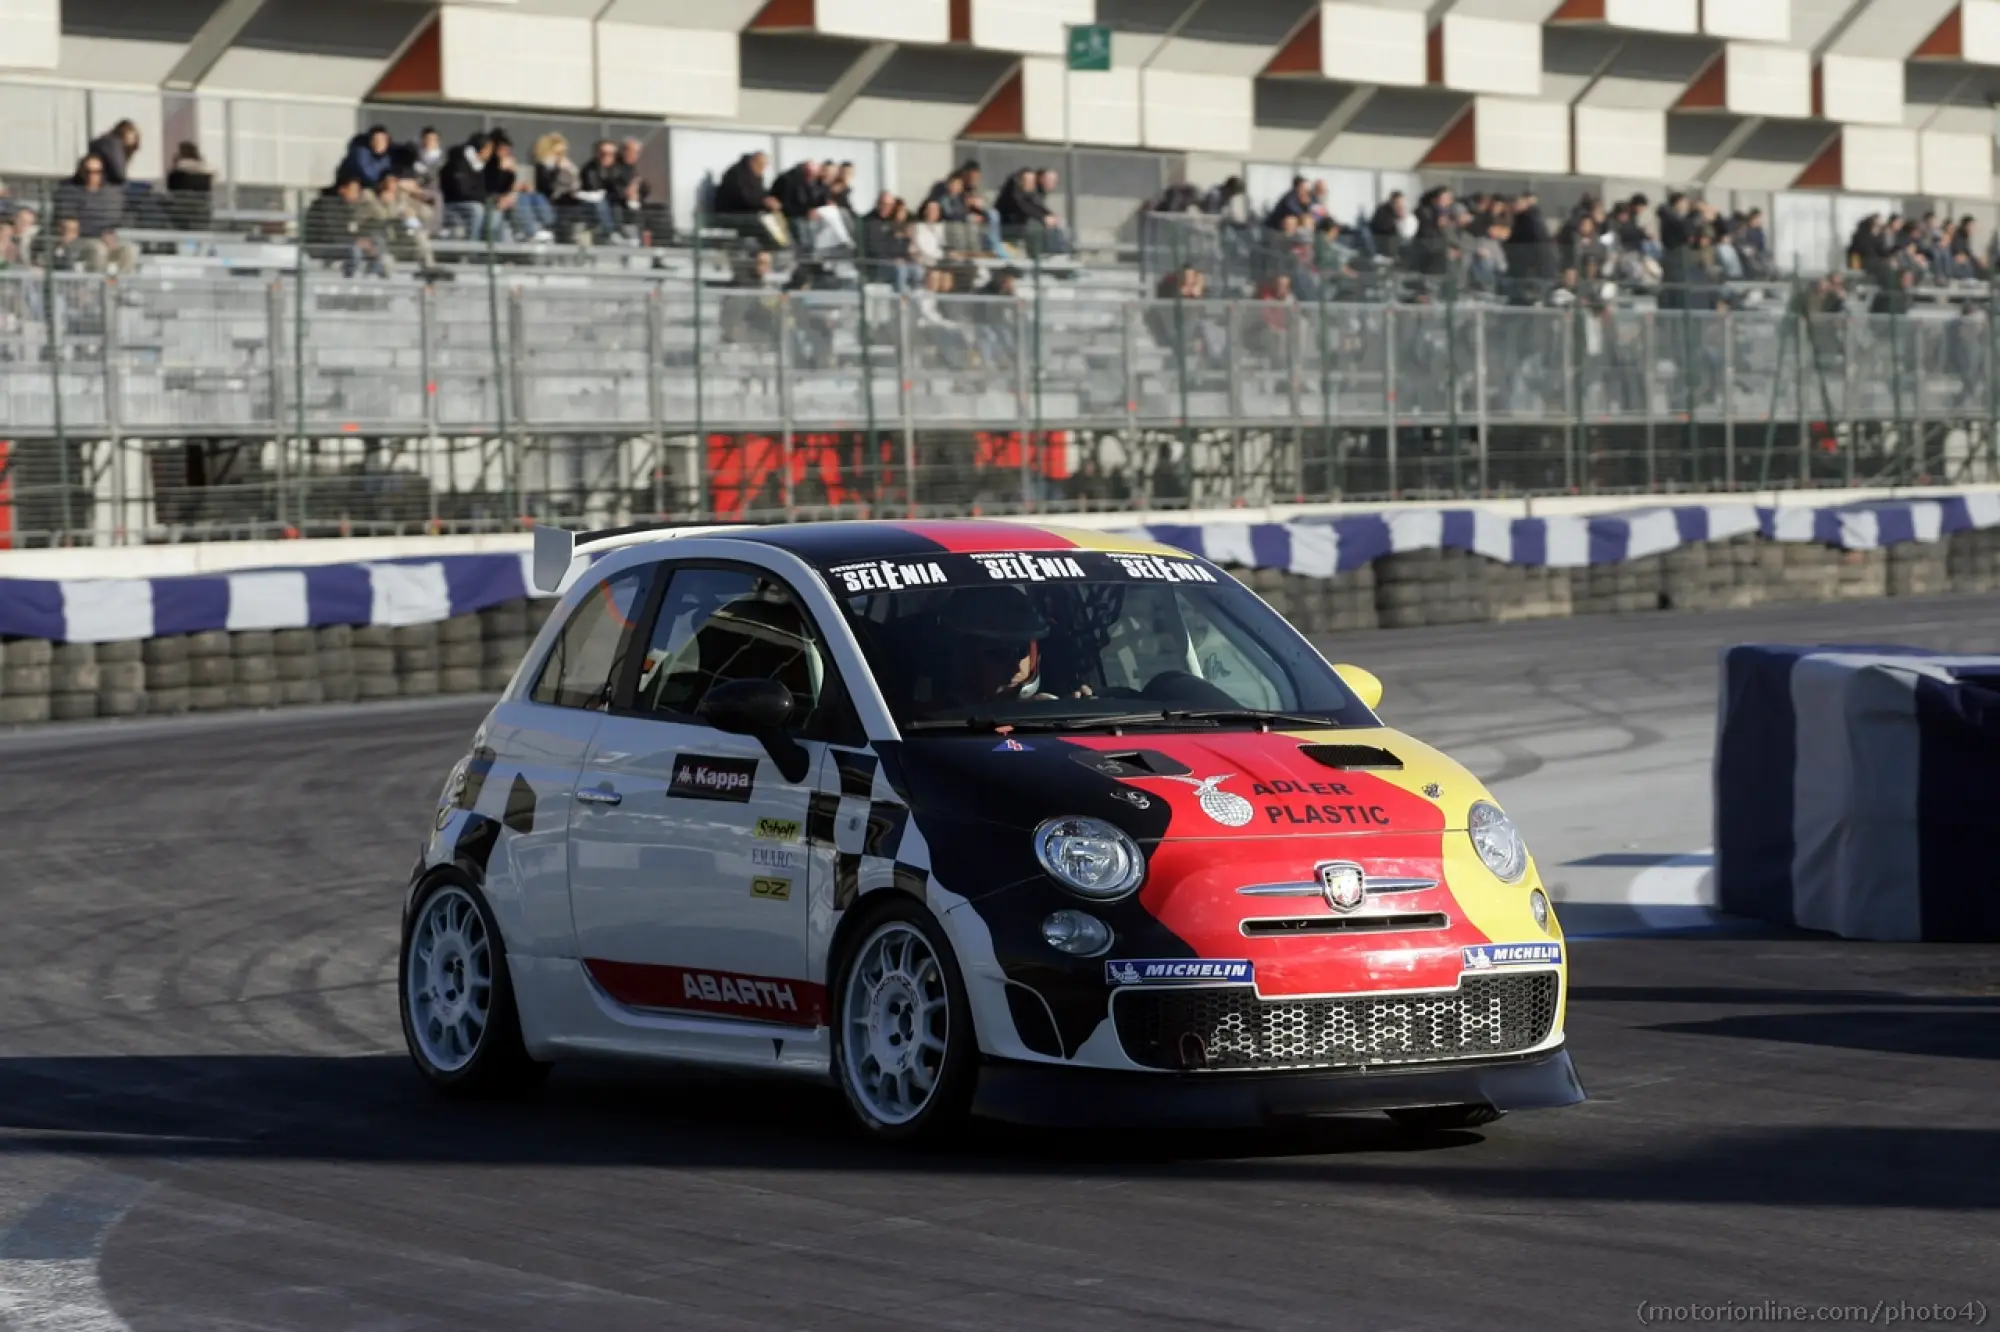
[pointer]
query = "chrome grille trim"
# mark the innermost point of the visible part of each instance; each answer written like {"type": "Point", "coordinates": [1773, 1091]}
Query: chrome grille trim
{"type": "Point", "coordinates": [1375, 883]}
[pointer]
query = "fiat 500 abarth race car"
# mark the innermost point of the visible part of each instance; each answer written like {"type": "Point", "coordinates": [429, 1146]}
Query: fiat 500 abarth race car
{"type": "Point", "coordinates": [1051, 825]}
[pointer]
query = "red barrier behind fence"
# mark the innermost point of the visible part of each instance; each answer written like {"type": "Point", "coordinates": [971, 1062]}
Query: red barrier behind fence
{"type": "Point", "coordinates": [839, 469]}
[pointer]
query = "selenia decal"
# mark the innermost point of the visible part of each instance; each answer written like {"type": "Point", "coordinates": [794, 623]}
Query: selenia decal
{"type": "Point", "coordinates": [698, 777]}
{"type": "Point", "coordinates": [887, 575]}
{"type": "Point", "coordinates": [1021, 567]}
{"type": "Point", "coordinates": [1158, 568]}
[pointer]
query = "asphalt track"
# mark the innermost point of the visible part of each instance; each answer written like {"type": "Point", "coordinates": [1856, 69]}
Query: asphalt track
{"type": "Point", "coordinates": [206, 1120]}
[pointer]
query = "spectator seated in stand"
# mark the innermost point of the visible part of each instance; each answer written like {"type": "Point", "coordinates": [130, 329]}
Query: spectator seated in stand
{"type": "Point", "coordinates": [744, 204]}
{"type": "Point", "coordinates": [1026, 216]}
{"type": "Point", "coordinates": [557, 180]}
{"type": "Point", "coordinates": [964, 210]}
{"type": "Point", "coordinates": [369, 157]}
{"type": "Point", "coordinates": [462, 183]}
{"type": "Point", "coordinates": [637, 217]}
{"type": "Point", "coordinates": [98, 210]}
{"type": "Point", "coordinates": [338, 230]}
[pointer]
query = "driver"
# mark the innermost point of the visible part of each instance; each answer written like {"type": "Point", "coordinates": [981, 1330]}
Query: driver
{"type": "Point", "coordinates": [995, 634]}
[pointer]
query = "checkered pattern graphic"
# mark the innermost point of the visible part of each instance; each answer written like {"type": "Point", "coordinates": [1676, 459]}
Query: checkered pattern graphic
{"type": "Point", "coordinates": [869, 827]}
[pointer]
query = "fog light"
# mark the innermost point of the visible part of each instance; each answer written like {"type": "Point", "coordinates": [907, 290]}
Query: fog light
{"type": "Point", "coordinates": [1076, 933]}
{"type": "Point", "coordinates": [1539, 904]}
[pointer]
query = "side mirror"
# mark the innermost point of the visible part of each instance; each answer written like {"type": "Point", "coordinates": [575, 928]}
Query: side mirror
{"type": "Point", "coordinates": [747, 707]}
{"type": "Point", "coordinates": [758, 708]}
{"type": "Point", "coordinates": [1365, 685]}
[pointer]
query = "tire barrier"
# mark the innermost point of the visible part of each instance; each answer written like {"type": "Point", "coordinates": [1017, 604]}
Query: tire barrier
{"type": "Point", "coordinates": [1854, 791]}
{"type": "Point", "coordinates": [218, 670]}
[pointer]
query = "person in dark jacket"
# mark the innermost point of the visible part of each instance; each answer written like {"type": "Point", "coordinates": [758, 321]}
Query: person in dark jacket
{"type": "Point", "coordinates": [1298, 202]}
{"type": "Point", "coordinates": [800, 190]}
{"type": "Point", "coordinates": [741, 192]}
{"type": "Point", "coordinates": [370, 156]}
{"type": "Point", "coordinates": [337, 229]}
{"type": "Point", "coordinates": [462, 181]}
{"type": "Point", "coordinates": [190, 187]}
{"type": "Point", "coordinates": [91, 200]}
{"type": "Point", "coordinates": [114, 151]}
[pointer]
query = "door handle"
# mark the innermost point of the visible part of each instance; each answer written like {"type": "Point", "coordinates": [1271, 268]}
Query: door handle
{"type": "Point", "coordinates": [599, 797]}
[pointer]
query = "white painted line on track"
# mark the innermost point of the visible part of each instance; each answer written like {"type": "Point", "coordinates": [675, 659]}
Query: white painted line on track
{"type": "Point", "coordinates": [49, 1279]}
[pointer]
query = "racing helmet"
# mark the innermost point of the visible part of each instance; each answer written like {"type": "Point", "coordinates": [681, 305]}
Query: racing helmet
{"type": "Point", "coordinates": [997, 634]}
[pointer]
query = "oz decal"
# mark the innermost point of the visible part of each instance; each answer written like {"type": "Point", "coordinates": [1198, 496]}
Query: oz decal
{"type": "Point", "coordinates": [772, 890]}
{"type": "Point", "coordinates": [698, 777]}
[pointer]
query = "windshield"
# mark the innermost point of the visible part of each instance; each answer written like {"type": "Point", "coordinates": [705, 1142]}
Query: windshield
{"type": "Point", "coordinates": [1080, 640]}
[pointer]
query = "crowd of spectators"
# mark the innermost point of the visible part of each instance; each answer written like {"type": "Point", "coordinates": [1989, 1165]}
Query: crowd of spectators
{"type": "Point", "coordinates": [88, 214]}
{"type": "Point", "coordinates": [1899, 253]}
{"type": "Point", "coordinates": [811, 208]}
{"type": "Point", "coordinates": [1500, 245]}
{"type": "Point", "coordinates": [389, 199]}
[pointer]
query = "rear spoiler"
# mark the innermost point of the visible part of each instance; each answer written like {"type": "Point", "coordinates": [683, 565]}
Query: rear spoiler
{"type": "Point", "coordinates": [556, 548]}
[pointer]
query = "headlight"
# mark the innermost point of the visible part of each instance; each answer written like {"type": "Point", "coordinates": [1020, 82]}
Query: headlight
{"type": "Point", "coordinates": [1498, 843]}
{"type": "Point", "coordinates": [1089, 857]}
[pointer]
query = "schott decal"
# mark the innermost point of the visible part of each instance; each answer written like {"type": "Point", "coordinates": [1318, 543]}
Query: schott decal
{"type": "Point", "coordinates": [887, 575]}
{"type": "Point", "coordinates": [1161, 569]}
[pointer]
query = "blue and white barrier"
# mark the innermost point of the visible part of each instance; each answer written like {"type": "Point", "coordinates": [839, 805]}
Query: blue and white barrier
{"type": "Point", "coordinates": [419, 590]}
{"type": "Point", "coordinates": [1855, 791]}
{"type": "Point", "coordinates": [1337, 544]}
{"type": "Point", "coordinates": [387, 592]}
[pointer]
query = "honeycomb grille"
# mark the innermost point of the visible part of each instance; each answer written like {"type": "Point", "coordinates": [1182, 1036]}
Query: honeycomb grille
{"type": "Point", "coordinates": [1230, 1028]}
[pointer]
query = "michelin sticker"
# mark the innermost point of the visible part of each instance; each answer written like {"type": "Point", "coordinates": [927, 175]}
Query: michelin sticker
{"type": "Point", "coordinates": [1485, 957]}
{"type": "Point", "coordinates": [1177, 971]}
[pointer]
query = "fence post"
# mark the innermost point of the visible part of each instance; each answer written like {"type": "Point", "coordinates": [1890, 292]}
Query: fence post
{"type": "Point", "coordinates": [906, 379]}
{"type": "Point", "coordinates": [656, 408]}
{"type": "Point", "coordinates": [1650, 356]}
{"type": "Point", "coordinates": [1572, 368]}
{"type": "Point", "coordinates": [1023, 398]}
{"type": "Point", "coordinates": [1331, 450]}
{"type": "Point", "coordinates": [427, 365]}
{"type": "Point", "coordinates": [1128, 351]}
{"type": "Point", "coordinates": [703, 496]}
{"type": "Point", "coordinates": [1389, 398]}
{"type": "Point", "coordinates": [1805, 441]}
{"type": "Point", "coordinates": [52, 321]}
{"type": "Point", "coordinates": [274, 318]}
{"type": "Point", "coordinates": [870, 457]}
{"type": "Point", "coordinates": [784, 409]}
{"type": "Point", "coordinates": [299, 372]}
{"type": "Point", "coordinates": [517, 393]}
{"type": "Point", "coordinates": [1728, 399]}
{"type": "Point", "coordinates": [503, 435]}
{"type": "Point", "coordinates": [113, 358]}
{"type": "Point", "coordinates": [1480, 394]}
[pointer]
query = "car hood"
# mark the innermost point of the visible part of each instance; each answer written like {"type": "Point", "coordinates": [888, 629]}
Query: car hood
{"type": "Point", "coordinates": [1181, 785]}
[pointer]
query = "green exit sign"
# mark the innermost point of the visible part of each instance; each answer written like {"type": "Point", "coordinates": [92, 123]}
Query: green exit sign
{"type": "Point", "coordinates": [1090, 48]}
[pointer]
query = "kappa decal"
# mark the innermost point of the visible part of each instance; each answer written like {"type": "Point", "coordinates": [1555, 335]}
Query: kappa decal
{"type": "Point", "coordinates": [887, 575]}
{"type": "Point", "coordinates": [776, 830]}
{"type": "Point", "coordinates": [1012, 746]}
{"type": "Point", "coordinates": [1159, 568]}
{"type": "Point", "coordinates": [1177, 971]}
{"type": "Point", "coordinates": [697, 777]}
{"type": "Point", "coordinates": [772, 890]}
{"type": "Point", "coordinates": [1021, 567]}
{"type": "Point", "coordinates": [1485, 957]}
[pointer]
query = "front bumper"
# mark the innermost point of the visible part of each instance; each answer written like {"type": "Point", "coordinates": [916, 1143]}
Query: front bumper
{"type": "Point", "coordinates": [1052, 1095]}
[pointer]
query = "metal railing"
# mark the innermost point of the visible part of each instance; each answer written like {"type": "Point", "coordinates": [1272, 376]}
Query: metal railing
{"type": "Point", "coordinates": [148, 407]}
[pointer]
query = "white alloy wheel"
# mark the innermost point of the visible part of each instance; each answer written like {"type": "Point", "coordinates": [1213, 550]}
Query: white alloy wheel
{"type": "Point", "coordinates": [448, 980]}
{"type": "Point", "coordinates": [896, 1024]}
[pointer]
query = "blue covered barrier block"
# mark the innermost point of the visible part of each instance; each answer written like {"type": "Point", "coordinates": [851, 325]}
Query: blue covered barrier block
{"type": "Point", "coordinates": [1857, 791]}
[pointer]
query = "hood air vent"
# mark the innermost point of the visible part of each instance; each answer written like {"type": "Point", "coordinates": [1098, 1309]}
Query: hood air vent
{"type": "Point", "coordinates": [1132, 763]}
{"type": "Point", "coordinates": [1350, 758]}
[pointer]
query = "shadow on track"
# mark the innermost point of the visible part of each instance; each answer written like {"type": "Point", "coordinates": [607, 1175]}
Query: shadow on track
{"type": "Point", "coordinates": [373, 1109]}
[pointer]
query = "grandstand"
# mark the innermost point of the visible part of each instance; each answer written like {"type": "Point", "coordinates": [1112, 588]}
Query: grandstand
{"type": "Point", "coordinates": [1273, 249]}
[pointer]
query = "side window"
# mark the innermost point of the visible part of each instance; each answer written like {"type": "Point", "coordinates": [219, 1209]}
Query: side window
{"type": "Point", "coordinates": [717, 625]}
{"type": "Point", "coordinates": [1233, 661]}
{"type": "Point", "coordinates": [582, 669]}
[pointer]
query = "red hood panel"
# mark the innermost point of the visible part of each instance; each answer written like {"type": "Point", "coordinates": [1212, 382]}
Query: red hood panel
{"type": "Point", "coordinates": [1259, 784]}
{"type": "Point", "coordinates": [1193, 891]}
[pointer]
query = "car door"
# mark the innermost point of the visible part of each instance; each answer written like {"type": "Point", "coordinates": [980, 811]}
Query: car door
{"type": "Point", "coordinates": [534, 746]}
{"type": "Point", "coordinates": [693, 874]}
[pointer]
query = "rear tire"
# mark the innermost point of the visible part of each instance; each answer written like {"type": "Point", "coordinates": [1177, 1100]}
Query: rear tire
{"type": "Point", "coordinates": [1445, 1118]}
{"type": "Point", "coordinates": [904, 1050]}
{"type": "Point", "coordinates": [457, 999]}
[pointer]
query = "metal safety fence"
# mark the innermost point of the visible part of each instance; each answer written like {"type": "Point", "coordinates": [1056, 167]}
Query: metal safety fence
{"type": "Point", "coordinates": [157, 407]}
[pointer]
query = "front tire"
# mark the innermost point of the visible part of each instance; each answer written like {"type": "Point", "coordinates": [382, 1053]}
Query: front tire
{"type": "Point", "coordinates": [457, 999]}
{"type": "Point", "coordinates": [1445, 1118]}
{"type": "Point", "coordinates": [904, 1050]}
